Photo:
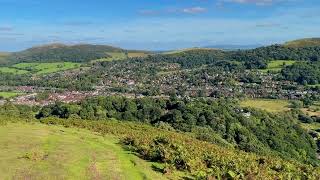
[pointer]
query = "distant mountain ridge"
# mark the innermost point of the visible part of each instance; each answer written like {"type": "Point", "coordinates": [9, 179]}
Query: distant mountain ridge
{"type": "Point", "coordinates": [233, 46]}
{"type": "Point", "coordinates": [83, 53]}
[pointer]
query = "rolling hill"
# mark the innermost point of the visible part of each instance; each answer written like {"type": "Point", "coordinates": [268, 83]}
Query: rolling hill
{"type": "Point", "coordinates": [61, 52]}
{"type": "Point", "coordinates": [307, 42]}
{"type": "Point", "coordinates": [80, 53]}
{"type": "Point", "coordinates": [83, 53]}
{"type": "Point", "coordinates": [3, 56]}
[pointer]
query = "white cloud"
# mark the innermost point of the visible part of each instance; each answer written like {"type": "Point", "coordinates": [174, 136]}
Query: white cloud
{"type": "Point", "coordinates": [194, 10]}
{"type": "Point", "coordinates": [257, 2]}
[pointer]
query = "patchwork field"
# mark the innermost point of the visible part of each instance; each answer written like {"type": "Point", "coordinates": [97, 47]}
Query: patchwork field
{"type": "Point", "coordinates": [36, 151]}
{"type": "Point", "coordinates": [10, 94]}
{"type": "Point", "coordinates": [271, 105]}
{"type": "Point", "coordinates": [46, 68]}
{"type": "Point", "coordinates": [39, 68]}
{"type": "Point", "coordinates": [116, 56]}
{"type": "Point", "coordinates": [276, 66]}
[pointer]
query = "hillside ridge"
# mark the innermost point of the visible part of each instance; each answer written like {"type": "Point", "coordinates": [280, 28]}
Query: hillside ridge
{"type": "Point", "coordinates": [305, 42]}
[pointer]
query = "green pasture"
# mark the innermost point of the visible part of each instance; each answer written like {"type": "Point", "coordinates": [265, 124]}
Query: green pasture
{"type": "Point", "coordinates": [271, 105]}
{"type": "Point", "coordinates": [36, 151]}
{"type": "Point", "coordinates": [277, 65]}
{"type": "Point", "coordinates": [10, 94]}
{"type": "Point", "coordinates": [13, 70]}
{"type": "Point", "coordinates": [117, 56]}
{"type": "Point", "coordinates": [46, 68]}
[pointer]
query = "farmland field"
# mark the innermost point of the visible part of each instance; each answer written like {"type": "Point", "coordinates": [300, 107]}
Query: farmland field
{"type": "Point", "coordinates": [36, 151]}
{"type": "Point", "coordinates": [270, 105]}
{"type": "Point", "coordinates": [9, 94]}
{"type": "Point", "coordinates": [115, 56]}
{"type": "Point", "coordinates": [276, 66]}
{"type": "Point", "coordinates": [137, 54]}
{"type": "Point", "coordinates": [46, 68]}
{"type": "Point", "coordinates": [13, 70]}
{"type": "Point", "coordinates": [39, 68]}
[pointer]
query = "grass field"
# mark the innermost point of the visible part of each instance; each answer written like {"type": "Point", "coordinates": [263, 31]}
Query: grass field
{"type": "Point", "coordinates": [36, 151]}
{"type": "Point", "coordinates": [275, 105]}
{"type": "Point", "coordinates": [116, 56]}
{"type": "Point", "coordinates": [137, 54]}
{"type": "Point", "coordinates": [39, 68]}
{"type": "Point", "coordinates": [10, 94]}
{"type": "Point", "coordinates": [308, 42]}
{"type": "Point", "coordinates": [315, 85]}
{"type": "Point", "coordinates": [12, 70]}
{"type": "Point", "coordinates": [276, 66]}
{"type": "Point", "coordinates": [46, 68]}
{"type": "Point", "coordinates": [270, 105]}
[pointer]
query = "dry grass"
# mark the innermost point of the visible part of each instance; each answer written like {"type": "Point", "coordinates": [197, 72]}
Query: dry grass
{"type": "Point", "coordinates": [35, 151]}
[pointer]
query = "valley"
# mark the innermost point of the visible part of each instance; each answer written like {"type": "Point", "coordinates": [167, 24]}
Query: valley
{"type": "Point", "coordinates": [160, 90]}
{"type": "Point", "coordinates": [246, 107]}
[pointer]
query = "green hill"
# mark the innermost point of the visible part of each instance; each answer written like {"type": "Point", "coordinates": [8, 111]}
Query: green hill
{"type": "Point", "coordinates": [80, 53]}
{"type": "Point", "coordinates": [181, 51]}
{"type": "Point", "coordinates": [308, 42]}
{"type": "Point", "coordinates": [3, 56]}
{"type": "Point", "coordinates": [61, 52]}
{"type": "Point", "coordinates": [32, 150]}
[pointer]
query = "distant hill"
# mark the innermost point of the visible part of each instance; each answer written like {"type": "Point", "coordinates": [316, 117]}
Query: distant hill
{"type": "Point", "coordinates": [179, 51]}
{"type": "Point", "coordinates": [62, 52]}
{"type": "Point", "coordinates": [234, 47]}
{"type": "Point", "coordinates": [3, 56]}
{"type": "Point", "coordinates": [308, 42]}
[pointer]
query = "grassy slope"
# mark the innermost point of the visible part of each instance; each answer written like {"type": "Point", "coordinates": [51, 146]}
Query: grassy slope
{"type": "Point", "coordinates": [308, 42]}
{"type": "Point", "coordinates": [3, 56]}
{"type": "Point", "coordinates": [36, 151]}
{"type": "Point", "coordinates": [53, 152]}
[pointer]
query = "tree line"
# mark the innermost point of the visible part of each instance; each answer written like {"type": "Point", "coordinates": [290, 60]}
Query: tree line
{"type": "Point", "coordinates": [224, 121]}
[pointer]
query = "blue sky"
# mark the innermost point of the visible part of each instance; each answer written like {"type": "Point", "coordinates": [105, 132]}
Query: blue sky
{"type": "Point", "coordinates": [156, 24]}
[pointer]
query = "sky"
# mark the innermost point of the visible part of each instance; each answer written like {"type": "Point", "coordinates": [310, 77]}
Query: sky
{"type": "Point", "coordinates": [156, 24]}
